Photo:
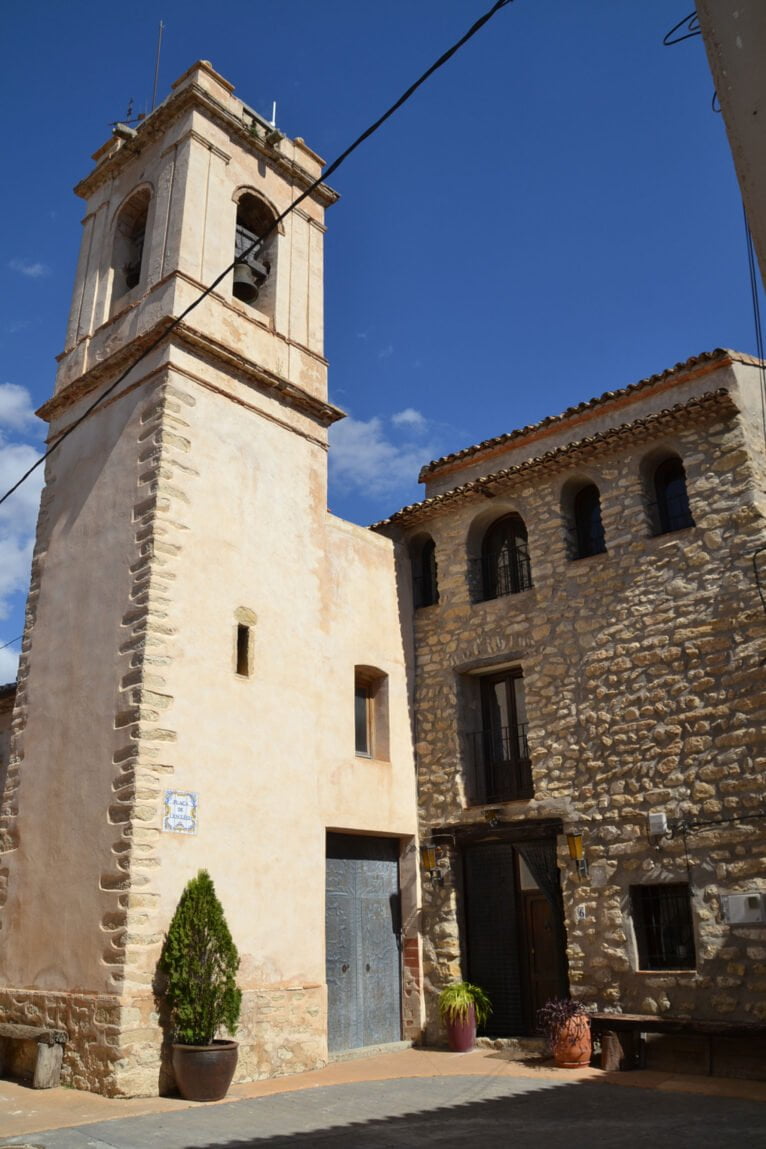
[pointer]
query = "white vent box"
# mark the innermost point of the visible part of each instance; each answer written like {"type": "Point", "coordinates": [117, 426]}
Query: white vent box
{"type": "Point", "coordinates": [741, 908]}
{"type": "Point", "coordinates": [658, 823]}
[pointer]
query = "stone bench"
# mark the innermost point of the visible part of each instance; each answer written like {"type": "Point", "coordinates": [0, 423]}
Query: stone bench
{"type": "Point", "coordinates": [623, 1043]}
{"type": "Point", "coordinates": [50, 1050]}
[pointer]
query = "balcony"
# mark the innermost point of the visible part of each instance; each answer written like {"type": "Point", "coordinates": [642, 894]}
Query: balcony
{"type": "Point", "coordinates": [500, 770]}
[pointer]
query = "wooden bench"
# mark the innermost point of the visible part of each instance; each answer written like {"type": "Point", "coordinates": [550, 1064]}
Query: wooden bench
{"type": "Point", "coordinates": [50, 1050]}
{"type": "Point", "coordinates": [629, 1030]}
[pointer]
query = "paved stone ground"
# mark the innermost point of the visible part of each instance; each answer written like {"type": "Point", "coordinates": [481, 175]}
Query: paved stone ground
{"type": "Point", "coordinates": [493, 1113]}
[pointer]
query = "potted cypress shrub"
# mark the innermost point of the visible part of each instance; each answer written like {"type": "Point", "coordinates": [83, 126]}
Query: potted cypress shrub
{"type": "Point", "coordinates": [463, 1007]}
{"type": "Point", "coordinates": [200, 963]}
{"type": "Point", "coordinates": [566, 1026]}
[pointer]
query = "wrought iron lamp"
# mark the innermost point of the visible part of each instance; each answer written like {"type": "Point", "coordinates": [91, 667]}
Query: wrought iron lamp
{"type": "Point", "coordinates": [574, 842]}
{"type": "Point", "coordinates": [433, 864]}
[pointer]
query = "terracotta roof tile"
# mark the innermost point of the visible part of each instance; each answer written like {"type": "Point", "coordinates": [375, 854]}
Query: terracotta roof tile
{"type": "Point", "coordinates": [720, 354]}
{"type": "Point", "coordinates": [712, 401]}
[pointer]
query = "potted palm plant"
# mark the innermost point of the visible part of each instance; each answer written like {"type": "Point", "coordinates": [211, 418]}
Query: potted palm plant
{"type": "Point", "coordinates": [566, 1026]}
{"type": "Point", "coordinates": [200, 963]}
{"type": "Point", "coordinates": [463, 1008]}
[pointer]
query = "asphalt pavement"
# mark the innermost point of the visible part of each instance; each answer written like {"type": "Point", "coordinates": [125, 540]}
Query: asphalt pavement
{"type": "Point", "coordinates": [497, 1108]}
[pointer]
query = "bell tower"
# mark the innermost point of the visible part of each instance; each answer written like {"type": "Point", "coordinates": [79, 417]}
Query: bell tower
{"type": "Point", "coordinates": [173, 644]}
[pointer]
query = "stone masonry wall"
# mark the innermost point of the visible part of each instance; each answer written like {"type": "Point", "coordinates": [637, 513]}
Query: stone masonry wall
{"type": "Point", "coordinates": [644, 681]}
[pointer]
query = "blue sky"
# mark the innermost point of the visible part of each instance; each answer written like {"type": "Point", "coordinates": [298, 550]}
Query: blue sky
{"type": "Point", "coordinates": [555, 214]}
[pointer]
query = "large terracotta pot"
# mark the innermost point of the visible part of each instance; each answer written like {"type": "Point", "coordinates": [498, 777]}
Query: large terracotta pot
{"type": "Point", "coordinates": [461, 1035]}
{"type": "Point", "coordinates": [204, 1072]}
{"type": "Point", "coordinates": [572, 1045]}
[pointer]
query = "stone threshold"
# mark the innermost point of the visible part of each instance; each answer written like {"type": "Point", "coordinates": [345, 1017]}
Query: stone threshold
{"type": "Point", "coordinates": [369, 1051]}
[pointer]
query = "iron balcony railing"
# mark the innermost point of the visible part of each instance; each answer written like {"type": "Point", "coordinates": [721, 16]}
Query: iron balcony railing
{"type": "Point", "coordinates": [500, 766]}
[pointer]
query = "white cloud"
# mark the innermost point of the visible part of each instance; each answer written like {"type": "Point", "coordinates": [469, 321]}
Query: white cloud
{"type": "Point", "coordinates": [16, 410]}
{"type": "Point", "coordinates": [411, 418]}
{"type": "Point", "coordinates": [15, 326]}
{"type": "Point", "coordinates": [18, 515]}
{"type": "Point", "coordinates": [29, 268]}
{"type": "Point", "coordinates": [367, 455]}
{"type": "Point", "coordinates": [386, 352]}
{"type": "Point", "coordinates": [9, 660]}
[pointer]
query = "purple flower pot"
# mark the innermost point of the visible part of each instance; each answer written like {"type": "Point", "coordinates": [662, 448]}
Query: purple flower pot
{"type": "Point", "coordinates": [461, 1035]}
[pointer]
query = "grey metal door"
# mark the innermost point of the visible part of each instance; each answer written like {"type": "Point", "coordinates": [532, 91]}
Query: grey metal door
{"type": "Point", "coordinates": [362, 940]}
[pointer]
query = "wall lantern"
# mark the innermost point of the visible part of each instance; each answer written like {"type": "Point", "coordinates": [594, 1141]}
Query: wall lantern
{"type": "Point", "coordinates": [434, 862]}
{"type": "Point", "coordinates": [574, 842]}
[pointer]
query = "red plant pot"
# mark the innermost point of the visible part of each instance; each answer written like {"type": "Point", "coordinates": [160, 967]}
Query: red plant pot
{"type": "Point", "coordinates": [572, 1045]}
{"type": "Point", "coordinates": [461, 1035]}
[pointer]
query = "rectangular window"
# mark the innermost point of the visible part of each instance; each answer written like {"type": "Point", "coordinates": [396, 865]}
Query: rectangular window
{"type": "Point", "coordinates": [371, 713]}
{"type": "Point", "coordinates": [363, 719]}
{"type": "Point", "coordinates": [499, 751]}
{"type": "Point", "coordinates": [662, 919]}
{"type": "Point", "coordinates": [243, 650]}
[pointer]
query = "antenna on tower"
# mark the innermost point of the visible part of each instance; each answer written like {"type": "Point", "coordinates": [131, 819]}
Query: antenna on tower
{"type": "Point", "coordinates": [274, 114]}
{"type": "Point", "coordinates": [157, 65]}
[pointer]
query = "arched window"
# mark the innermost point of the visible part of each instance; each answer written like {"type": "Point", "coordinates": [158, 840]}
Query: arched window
{"type": "Point", "coordinates": [589, 530]}
{"type": "Point", "coordinates": [252, 271]}
{"type": "Point", "coordinates": [425, 590]}
{"type": "Point", "coordinates": [128, 245]}
{"type": "Point", "coordinates": [505, 558]}
{"type": "Point", "coordinates": [671, 498]}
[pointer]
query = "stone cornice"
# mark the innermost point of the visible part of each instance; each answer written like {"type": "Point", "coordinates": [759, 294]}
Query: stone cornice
{"type": "Point", "coordinates": [102, 371]}
{"type": "Point", "coordinates": [116, 154]}
{"type": "Point", "coordinates": [324, 413]}
{"type": "Point", "coordinates": [697, 409]}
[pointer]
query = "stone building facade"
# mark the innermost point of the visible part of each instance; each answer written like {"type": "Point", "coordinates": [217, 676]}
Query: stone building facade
{"type": "Point", "coordinates": [565, 637]}
{"type": "Point", "coordinates": [590, 651]}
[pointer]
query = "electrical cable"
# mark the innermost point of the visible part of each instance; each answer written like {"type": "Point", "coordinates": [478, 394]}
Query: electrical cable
{"type": "Point", "coordinates": [260, 241]}
{"type": "Point", "coordinates": [11, 641]}
{"type": "Point", "coordinates": [692, 29]}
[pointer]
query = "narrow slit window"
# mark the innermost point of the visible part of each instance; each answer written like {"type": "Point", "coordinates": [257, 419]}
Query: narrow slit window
{"type": "Point", "coordinates": [243, 650]}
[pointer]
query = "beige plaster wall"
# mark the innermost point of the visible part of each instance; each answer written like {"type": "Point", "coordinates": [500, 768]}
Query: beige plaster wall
{"type": "Point", "coordinates": [67, 858]}
{"type": "Point", "coordinates": [192, 501]}
{"type": "Point", "coordinates": [269, 755]}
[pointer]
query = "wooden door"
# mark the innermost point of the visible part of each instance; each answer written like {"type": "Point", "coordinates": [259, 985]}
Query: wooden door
{"type": "Point", "coordinates": [492, 934]}
{"type": "Point", "coordinates": [542, 962]}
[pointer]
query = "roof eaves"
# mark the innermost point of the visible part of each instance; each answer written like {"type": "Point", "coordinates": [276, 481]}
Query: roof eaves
{"type": "Point", "coordinates": [720, 356]}
{"type": "Point", "coordinates": [719, 400]}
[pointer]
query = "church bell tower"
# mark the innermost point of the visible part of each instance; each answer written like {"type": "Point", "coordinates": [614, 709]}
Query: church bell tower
{"type": "Point", "coordinates": [171, 659]}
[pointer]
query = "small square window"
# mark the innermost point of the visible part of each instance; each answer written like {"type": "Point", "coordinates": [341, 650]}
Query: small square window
{"type": "Point", "coordinates": [662, 918]}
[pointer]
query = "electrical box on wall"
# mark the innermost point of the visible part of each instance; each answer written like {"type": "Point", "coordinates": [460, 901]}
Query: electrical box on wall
{"type": "Point", "coordinates": [740, 908]}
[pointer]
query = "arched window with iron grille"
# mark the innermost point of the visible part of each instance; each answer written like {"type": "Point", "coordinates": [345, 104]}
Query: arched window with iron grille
{"type": "Point", "coordinates": [671, 497]}
{"type": "Point", "coordinates": [505, 558]}
{"type": "Point", "coordinates": [589, 529]}
{"type": "Point", "coordinates": [425, 588]}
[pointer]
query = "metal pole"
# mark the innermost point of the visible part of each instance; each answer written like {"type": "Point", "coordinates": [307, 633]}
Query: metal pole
{"type": "Point", "coordinates": [157, 66]}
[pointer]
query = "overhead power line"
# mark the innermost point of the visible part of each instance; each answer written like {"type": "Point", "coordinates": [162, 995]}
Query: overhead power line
{"type": "Point", "coordinates": [258, 243]}
{"type": "Point", "coordinates": [11, 641]}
